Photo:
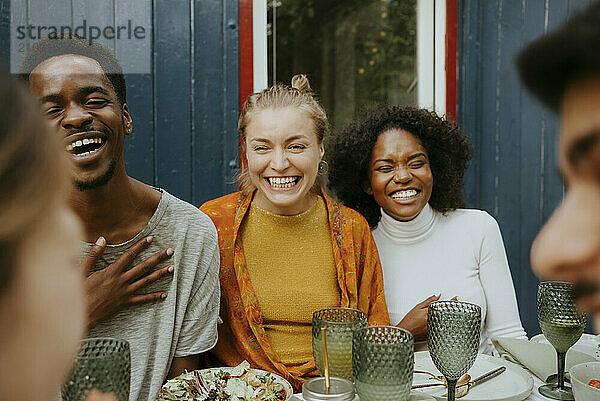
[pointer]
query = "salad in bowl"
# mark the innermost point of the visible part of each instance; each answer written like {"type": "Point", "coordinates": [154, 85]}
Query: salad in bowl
{"type": "Point", "coordinates": [226, 384]}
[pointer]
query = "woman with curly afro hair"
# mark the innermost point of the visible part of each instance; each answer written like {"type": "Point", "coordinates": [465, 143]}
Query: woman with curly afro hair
{"type": "Point", "coordinates": [403, 168]}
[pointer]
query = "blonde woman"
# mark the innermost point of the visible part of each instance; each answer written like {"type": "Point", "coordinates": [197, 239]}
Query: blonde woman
{"type": "Point", "coordinates": [287, 249]}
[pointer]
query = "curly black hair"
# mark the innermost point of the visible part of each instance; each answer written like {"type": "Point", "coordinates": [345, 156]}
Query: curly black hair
{"type": "Point", "coordinates": [349, 156]}
{"type": "Point", "coordinates": [74, 44]}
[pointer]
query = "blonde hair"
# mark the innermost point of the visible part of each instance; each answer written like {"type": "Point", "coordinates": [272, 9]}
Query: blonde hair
{"type": "Point", "coordinates": [33, 172]}
{"type": "Point", "coordinates": [299, 95]}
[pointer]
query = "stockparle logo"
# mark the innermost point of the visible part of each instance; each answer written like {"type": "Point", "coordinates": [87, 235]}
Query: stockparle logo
{"type": "Point", "coordinates": [129, 35]}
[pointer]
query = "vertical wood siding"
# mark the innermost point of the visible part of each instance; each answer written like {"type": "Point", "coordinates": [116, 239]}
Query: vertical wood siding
{"type": "Point", "coordinates": [185, 106]}
{"type": "Point", "coordinates": [514, 174]}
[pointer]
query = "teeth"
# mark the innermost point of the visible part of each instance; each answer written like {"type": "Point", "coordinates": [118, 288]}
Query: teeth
{"type": "Point", "coordinates": [83, 142]}
{"type": "Point", "coordinates": [282, 182]}
{"type": "Point", "coordinates": [405, 194]}
{"type": "Point", "coordinates": [87, 153]}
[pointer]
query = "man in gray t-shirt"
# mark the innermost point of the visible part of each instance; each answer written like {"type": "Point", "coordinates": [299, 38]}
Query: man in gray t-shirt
{"type": "Point", "coordinates": [158, 286]}
{"type": "Point", "coordinates": [184, 323]}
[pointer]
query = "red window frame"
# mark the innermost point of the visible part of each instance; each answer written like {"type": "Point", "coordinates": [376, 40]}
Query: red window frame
{"type": "Point", "coordinates": [451, 57]}
{"type": "Point", "coordinates": [246, 61]}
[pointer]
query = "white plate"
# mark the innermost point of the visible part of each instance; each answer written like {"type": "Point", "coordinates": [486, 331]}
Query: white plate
{"type": "Point", "coordinates": [414, 396]}
{"type": "Point", "coordinates": [420, 396]}
{"type": "Point", "coordinates": [289, 391]}
{"type": "Point", "coordinates": [514, 384]}
{"type": "Point", "coordinates": [588, 344]}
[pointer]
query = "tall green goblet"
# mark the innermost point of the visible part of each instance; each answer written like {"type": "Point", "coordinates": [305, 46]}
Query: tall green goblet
{"type": "Point", "coordinates": [562, 324]}
{"type": "Point", "coordinates": [454, 330]}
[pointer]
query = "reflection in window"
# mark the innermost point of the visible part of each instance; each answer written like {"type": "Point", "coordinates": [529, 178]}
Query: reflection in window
{"type": "Point", "coordinates": [357, 53]}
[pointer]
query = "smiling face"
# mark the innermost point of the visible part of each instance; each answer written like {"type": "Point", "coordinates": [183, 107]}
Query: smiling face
{"type": "Point", "coordinates": [81, 105]}
{"type": "Point", "coordinates": [283, 159]}
{"type": "Point", "coordinates": [568, 247]}
{"type": "Point", "coordinates": [400, 178]}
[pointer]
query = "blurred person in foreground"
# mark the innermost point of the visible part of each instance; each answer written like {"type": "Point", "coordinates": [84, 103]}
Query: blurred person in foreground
{"type": "Point", "coordinates": [42, 304]}
{"type": "Point", "coordinates": [287, 248]}
{"type": "Point", "coordinates": [562, 69]}
{"type": "Point", "coordinates": [402, 167]}
{"type": "Point", "coordinates": [152, 259]}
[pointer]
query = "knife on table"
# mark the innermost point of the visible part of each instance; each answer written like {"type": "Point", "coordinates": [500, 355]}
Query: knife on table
{"type": "Point", "coordinates": [474, 382]}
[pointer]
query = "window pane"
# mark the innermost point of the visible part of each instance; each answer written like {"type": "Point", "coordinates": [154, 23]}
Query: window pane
{"type": "Point", "coordinates": [357, 53]}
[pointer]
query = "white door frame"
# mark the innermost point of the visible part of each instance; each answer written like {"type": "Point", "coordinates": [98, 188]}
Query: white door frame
{"type": "Point", "coordinates": [431, 51]}
{"type": "Point", "coordinates": [431, 54]}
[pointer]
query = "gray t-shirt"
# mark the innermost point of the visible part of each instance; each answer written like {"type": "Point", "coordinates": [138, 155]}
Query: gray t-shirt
{"type": "Point", "coordinates": [183, 324]}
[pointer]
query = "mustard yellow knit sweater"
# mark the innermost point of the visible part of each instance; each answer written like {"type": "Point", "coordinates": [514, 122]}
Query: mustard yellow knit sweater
{"type": "Point", "coordinates": [291, 267]}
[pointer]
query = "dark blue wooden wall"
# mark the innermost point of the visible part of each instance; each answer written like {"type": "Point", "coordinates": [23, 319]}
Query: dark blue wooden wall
{"type": "Point", "coordinates": [514, 174]}
{"type": "Point", "coordinates": [185, 104]}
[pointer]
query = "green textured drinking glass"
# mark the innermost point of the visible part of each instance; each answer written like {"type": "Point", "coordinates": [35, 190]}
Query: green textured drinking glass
{"type": "Point", "coordinates": [454, 330]}
{"type": "Point", "coordinates": [340, 324]}
{"type": "Point", "coordinates": [562, 324]}
{"type": "Point", "coordinates": [103, 364]}
{"type": "Point", "coordinates": [383, 361]}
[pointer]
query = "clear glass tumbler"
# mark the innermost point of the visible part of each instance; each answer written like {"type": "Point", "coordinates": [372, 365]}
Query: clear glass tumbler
{"type": "Point", "coordinates": [383, 363]}
{"type": "Point", "coordinates": [340, 324]}
{"type": "Point", "coordinates": [103, 364]}
{"type": "Point", "coordinates": [454, 331]}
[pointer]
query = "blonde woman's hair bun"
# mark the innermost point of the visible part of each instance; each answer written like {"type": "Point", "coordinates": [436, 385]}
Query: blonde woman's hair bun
{"type": "Point", "coordinates": [300, 82]}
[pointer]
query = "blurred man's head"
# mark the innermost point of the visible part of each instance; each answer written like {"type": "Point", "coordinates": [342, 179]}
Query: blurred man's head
{"type": "Point", "coordinates": [81, 89]}
{"type": "Point", "coordinates": [563, 70]}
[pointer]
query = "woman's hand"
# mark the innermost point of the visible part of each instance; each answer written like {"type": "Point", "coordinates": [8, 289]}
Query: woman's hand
{"type": "Point", "coordinates": [415, 320]}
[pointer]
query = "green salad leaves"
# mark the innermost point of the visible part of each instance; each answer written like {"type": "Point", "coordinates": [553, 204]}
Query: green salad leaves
{"type": "Point", "coordinates": [224, 384]}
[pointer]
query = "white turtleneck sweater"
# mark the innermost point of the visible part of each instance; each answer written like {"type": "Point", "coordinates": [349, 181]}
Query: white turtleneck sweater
{"type": "Point", "coordinates": [460, 254]}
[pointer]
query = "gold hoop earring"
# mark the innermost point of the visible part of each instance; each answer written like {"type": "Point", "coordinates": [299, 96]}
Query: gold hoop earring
{"type": "Point", "coordinates": [323, 168]}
